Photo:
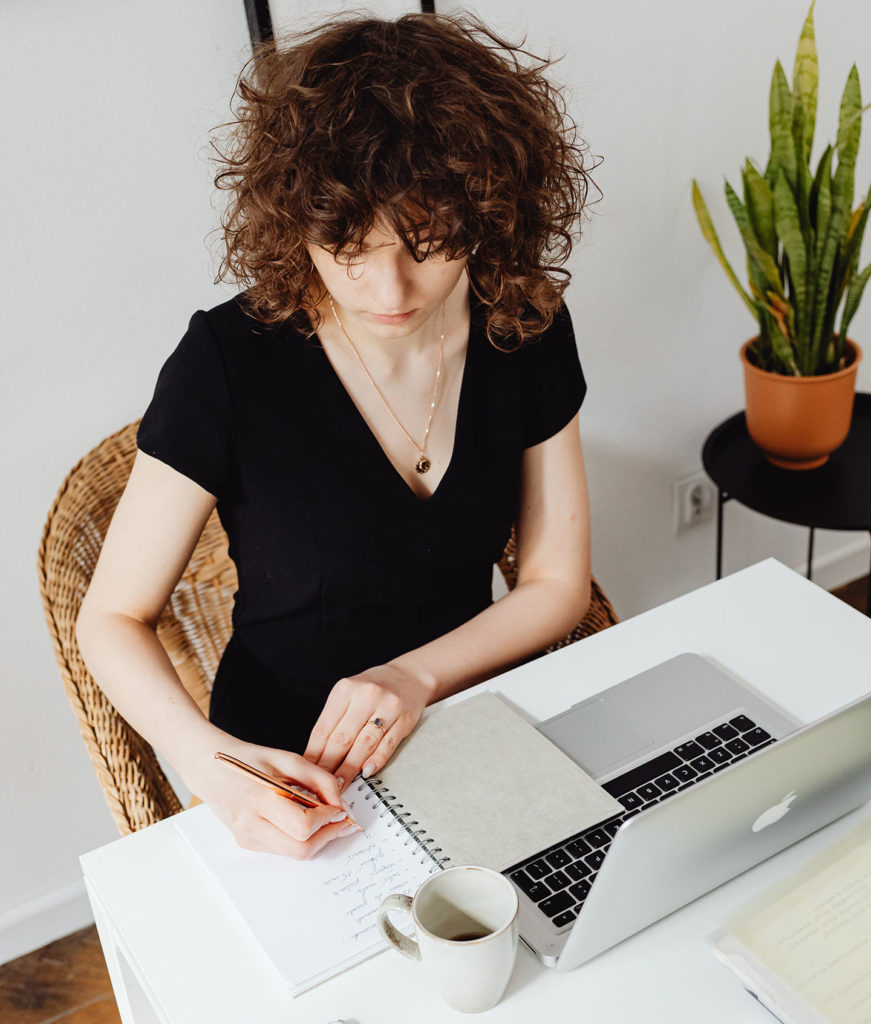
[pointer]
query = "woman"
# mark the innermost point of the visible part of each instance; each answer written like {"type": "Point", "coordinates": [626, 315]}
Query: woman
{"type": "Point", "coordinates": [396, 386]}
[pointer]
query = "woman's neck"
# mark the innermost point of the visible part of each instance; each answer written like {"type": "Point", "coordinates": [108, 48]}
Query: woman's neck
{"type": "Point", "coordinates": [452, 318]}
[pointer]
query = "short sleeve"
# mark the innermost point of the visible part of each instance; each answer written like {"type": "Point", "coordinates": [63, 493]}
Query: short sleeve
{"type": "Point", "coordinates": [554, 385]}
{"type": "Point", "coordinates": [189, 423]}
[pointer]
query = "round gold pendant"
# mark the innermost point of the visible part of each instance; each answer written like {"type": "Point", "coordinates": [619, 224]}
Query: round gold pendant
{"type": "Point", "coordinates": [422, 465]}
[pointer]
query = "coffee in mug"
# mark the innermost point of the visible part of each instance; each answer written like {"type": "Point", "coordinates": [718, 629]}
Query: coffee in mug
{"type": "Point", "coordinates": [465, 921]}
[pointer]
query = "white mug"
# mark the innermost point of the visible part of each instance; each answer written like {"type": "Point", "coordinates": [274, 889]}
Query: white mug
{"type": "Point", "coordinates": [465, 920]}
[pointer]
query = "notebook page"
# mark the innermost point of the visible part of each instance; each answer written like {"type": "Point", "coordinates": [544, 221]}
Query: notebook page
{"type": "Point", "coordinates": [488, 788]}
{"type": "Point", "coordinates": [313, 919]}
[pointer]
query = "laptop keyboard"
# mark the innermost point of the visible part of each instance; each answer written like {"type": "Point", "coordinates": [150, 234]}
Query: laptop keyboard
{"type": "Point", "coordinates": [558, 880]}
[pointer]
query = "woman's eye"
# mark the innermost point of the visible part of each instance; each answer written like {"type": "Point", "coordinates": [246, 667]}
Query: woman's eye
{"type": "Point", "coordinates": [349, 258]}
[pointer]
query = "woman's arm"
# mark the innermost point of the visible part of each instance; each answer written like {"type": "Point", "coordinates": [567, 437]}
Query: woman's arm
{"type": "Point", "coordinates": [550, 599]}
{"type": "Point", "coordinates": [154, 530]}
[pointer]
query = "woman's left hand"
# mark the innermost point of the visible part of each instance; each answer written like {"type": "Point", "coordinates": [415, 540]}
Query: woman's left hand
{"type": "Point", "coordinates": [365, 719]}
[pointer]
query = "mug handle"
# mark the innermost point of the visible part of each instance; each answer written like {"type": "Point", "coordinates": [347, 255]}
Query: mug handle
{"type": "Point", "coordinates": [406, 946]}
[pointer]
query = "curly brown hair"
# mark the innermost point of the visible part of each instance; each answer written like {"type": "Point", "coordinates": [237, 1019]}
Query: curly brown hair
{"type": "Point", "coordinates": [450, 134]}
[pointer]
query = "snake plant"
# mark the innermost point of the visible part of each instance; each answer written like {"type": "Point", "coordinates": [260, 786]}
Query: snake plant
{"type": "Point", "coordinates": [799, 228]}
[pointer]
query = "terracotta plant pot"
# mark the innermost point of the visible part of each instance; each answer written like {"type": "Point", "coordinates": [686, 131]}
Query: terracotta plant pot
{"type": "Point", "coordinates": [799, 421]}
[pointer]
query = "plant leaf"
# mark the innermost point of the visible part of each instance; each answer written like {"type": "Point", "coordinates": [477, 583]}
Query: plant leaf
{"type": "Point", "coordinates": [760, 208]}
{"type": "Point", "coordinates": [755, 251]}
{"type": "Point", "coordinates": [850, 120]}
{"type": "Point", "coordinates": [831, 269]}
{"type": "Point", "coordinates": [708, 230]}
{"type": "Point", "coordinates": [816, 293]}
{"type": "Point", "coordinates": [805, 76]}
{"type": "Point", "coordinates": [854, 296]}
{"type": "Point", "coordinates": [789, 232]}
{"type": "Point", "coordinates": [780, 126]}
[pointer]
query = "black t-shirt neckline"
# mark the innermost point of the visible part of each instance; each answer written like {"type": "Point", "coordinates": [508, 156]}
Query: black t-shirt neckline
{"type": "Point", "coordinates": [362, 428]}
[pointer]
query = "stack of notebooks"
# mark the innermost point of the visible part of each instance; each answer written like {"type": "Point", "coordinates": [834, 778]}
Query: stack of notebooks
{"type": "Point", "coordinates": [474, 784]}
{"type": "Point", "coordinates": [803, 947]}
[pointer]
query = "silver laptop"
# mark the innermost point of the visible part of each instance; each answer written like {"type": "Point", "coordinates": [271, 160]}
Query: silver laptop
{"type": "Point", "coordinates": [713, 779]}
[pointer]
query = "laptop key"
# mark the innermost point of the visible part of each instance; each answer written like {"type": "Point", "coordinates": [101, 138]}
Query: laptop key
{"type": "Point", "coordinates": [558, 880]}
{"type": "Point", "coordinates": [667, 782]}
{"type": "Point", "coordinates": [558, 859]}
{"type": "Point", "coordinates": [742, 723]}
{"type": "Point", "coordinates": [756, 736]}
{"type": "Point", "coordinates": [632, 800]}
{"type": "Point", "coordinates": [577, 871]}
{"type": "Point", "coordinates": [577, 848]}
{"type": "Point", "coordinates": [737, 746]}
{"type": "Point", "coordinates": [565, 918]}
{"type": "Point", "coordinates": [726, 731]}
{"type": "Point", "coordinates": [594, 859]}
{"type": "Point", "coordinates": [538, 869]}
{"type": "Point", "coordinates": [523, 881]}
{"type": "Point", "coordinates": [684, 773]}
{"type": "Point", "coordinates": [597, 838]}
{"type": "Point", "coordinates": [643, 773]}
{"type": "Point", "coordinates": [708, 740]}
{"type": "Point", "coordinates": [579, 890]}
{"type": "Point", "coordinates": [705, 764]}
{"type": "Point", "coordinates": [538, 892]}
{"type": "Point", "coordinates": [613, 827]}
{"type": "Point", "coordinates": [689, 750]}
{"type": "Point", "coordinates": [649, 792]}
{"type": "Point", "coordinates": [720, 755]}
{"type": "Point", "coordinates": [556, 904]}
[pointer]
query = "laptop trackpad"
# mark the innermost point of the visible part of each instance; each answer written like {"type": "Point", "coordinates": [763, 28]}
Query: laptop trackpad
{"type": "Point", "coordinates": [596, 736]}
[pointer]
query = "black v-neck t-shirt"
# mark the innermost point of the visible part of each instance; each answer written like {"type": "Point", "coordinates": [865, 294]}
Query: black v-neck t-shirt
{"type": "Point", "coordinates": [341, 566]}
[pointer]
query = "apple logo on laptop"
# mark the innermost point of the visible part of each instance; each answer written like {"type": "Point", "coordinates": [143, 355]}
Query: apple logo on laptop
{"type": "Point", "coordinates": [774, 813]}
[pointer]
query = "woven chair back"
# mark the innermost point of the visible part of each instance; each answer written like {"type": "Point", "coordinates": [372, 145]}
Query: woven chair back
{"type": "Point", "coordinates": [194, 628]}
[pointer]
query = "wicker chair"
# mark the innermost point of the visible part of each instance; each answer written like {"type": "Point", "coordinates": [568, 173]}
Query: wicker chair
{"type": "Point", "coordinates": [194, 627]}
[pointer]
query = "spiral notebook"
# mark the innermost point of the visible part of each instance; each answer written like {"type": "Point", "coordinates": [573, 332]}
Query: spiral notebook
{"type": "Point", "coordinates": [457, 792]}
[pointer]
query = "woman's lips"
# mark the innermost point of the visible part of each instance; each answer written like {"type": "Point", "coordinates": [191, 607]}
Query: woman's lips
{"type": "Point", "coordinates": [398, 318]}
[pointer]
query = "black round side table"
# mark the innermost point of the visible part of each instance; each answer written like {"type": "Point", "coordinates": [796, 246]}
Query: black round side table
{"type": "Point", "coordinates": [837, 496]}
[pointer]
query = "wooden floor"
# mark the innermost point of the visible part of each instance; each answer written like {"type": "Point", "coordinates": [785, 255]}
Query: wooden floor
{"type": "Point", "coordinates": [67, 980]}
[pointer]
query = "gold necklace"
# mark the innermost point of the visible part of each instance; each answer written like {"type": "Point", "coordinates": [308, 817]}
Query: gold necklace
{"type": "Point", "coordinates": [423, 464]}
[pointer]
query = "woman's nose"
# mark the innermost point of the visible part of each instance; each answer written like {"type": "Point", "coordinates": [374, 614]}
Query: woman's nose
{"type": "Point", "coordinates": [389, 282]}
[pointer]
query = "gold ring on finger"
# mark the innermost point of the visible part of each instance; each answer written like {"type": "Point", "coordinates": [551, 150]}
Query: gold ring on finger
{"type": "Point", "coordinates": [378, 723]}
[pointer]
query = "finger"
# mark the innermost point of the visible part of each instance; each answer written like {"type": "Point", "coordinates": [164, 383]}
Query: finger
{"type": "Point", "coordinates": [369, 758]}
{"type": "Point", "coordinates": [352, 727]}
{"type": "Point", "coordinates": [335, 707]}
{"type": "Point", "coordinates": [312, 777]}
{"type": "Point", "coordinates": [275, 841]}
{"type": "Point", "coordinates": [297, 822]}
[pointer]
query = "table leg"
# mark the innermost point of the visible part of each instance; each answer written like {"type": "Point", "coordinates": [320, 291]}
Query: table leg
{"type": "Point", "coordinates": [810, 553]}
{"type": "Point", "coordinates": [722, 498]}
{"type": "Point", "coordinates": [135, 1004]}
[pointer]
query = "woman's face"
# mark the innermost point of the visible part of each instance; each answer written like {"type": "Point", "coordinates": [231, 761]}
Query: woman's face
{"type": "Point", "coordinates": [384, 289]}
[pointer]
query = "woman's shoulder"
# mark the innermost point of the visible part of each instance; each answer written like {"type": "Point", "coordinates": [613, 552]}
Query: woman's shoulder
{"type": "Point", "coordinates": [231, 331]}
{"type": "Point", "coordinates": [559, 335]}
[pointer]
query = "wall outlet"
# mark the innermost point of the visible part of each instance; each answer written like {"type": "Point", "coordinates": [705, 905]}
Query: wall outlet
{"type": "Point", "coordinates": [695, 498]}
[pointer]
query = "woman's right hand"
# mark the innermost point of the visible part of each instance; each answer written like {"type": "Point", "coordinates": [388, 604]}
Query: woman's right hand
{"type": "Point", "coordinates": [259, 818]}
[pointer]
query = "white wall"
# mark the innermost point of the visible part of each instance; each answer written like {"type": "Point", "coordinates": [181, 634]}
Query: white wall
{"type": "Point", "coordinates": [106, 204]}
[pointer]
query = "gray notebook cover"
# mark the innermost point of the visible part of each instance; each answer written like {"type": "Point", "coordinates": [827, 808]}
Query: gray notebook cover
{"type": "Point", "coordinates": [488, 788]}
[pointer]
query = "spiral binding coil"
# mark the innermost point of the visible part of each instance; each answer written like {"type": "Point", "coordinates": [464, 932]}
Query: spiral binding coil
{"type": "Point", "coordinates": [403, 818]}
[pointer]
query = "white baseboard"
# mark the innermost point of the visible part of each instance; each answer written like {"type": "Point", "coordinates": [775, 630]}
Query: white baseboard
{"type": "Point", "coordinates": [835, 568]}
{"type": "Point", "coordinates": [43, 920]}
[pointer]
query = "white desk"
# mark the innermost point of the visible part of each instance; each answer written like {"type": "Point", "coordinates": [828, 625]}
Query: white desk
{"type": "Point", "coordinates": [178, 956]}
